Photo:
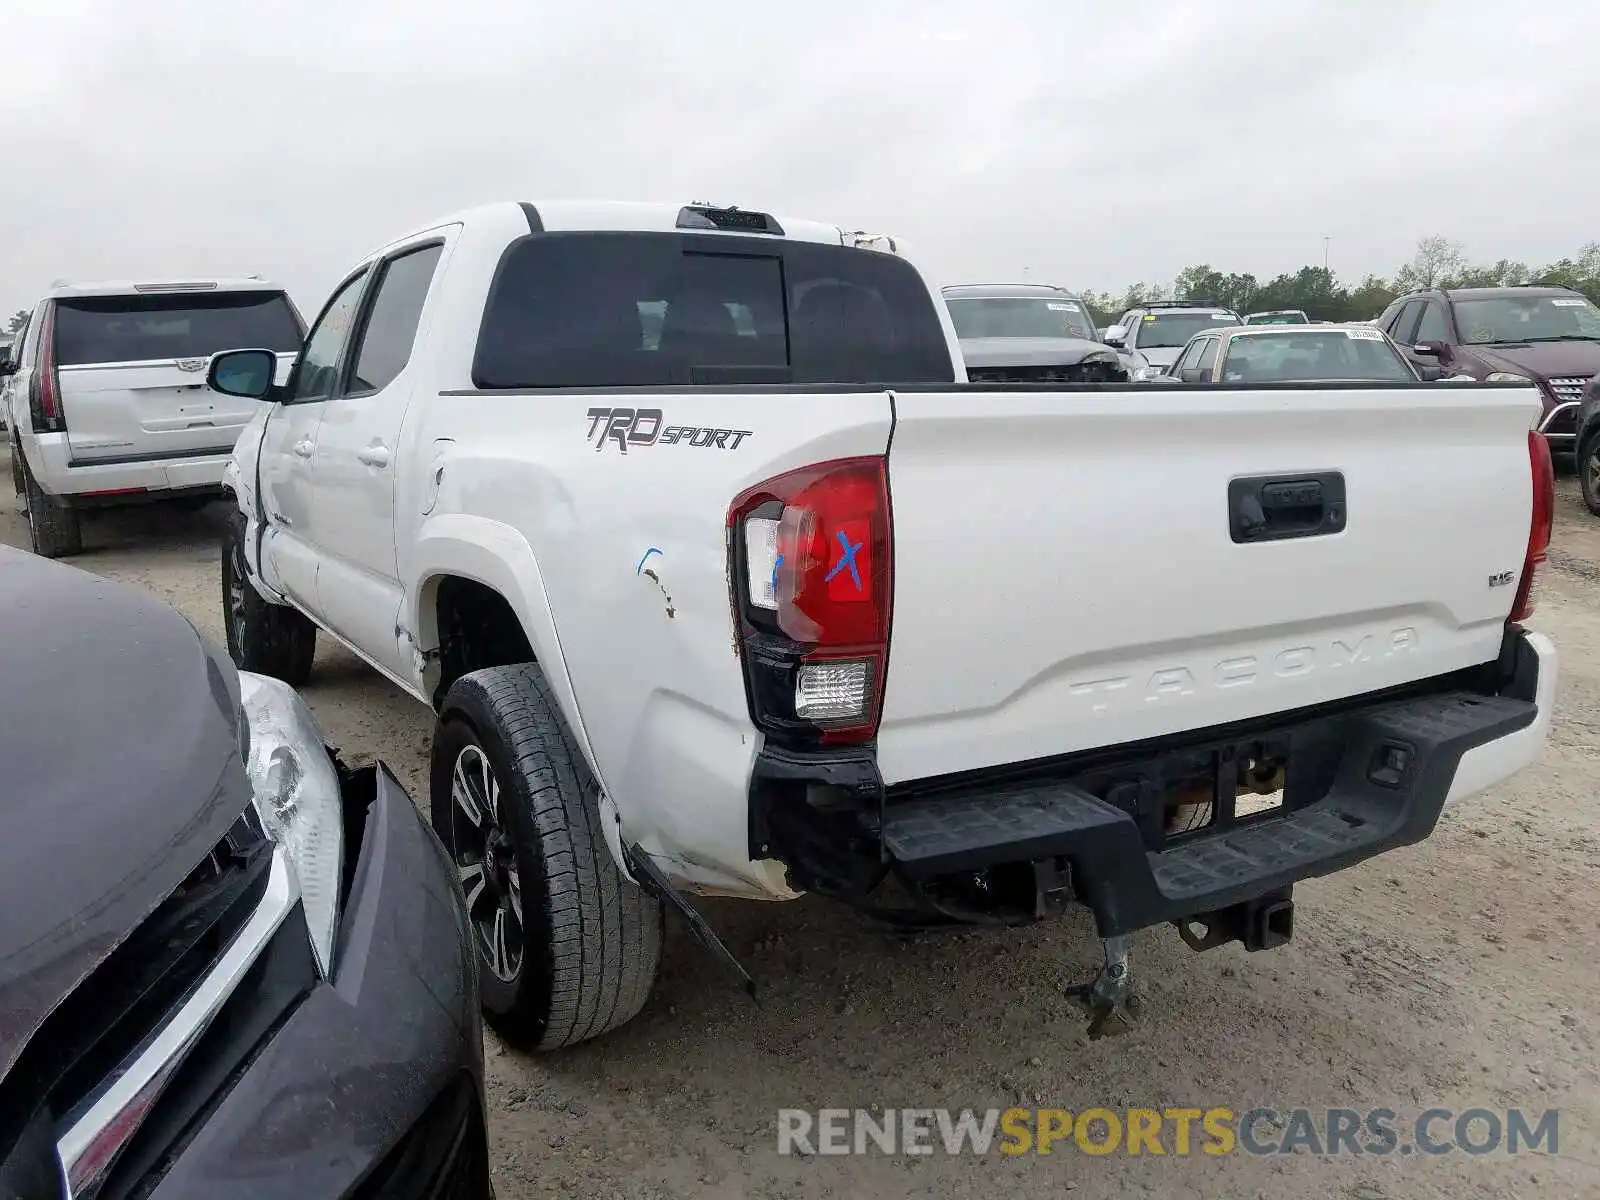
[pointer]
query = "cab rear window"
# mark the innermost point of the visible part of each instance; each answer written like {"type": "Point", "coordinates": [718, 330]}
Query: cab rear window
{"type": "Point", "coordinates": [146, 328]}
{"type": "Point", "coordinates": [665, 309]}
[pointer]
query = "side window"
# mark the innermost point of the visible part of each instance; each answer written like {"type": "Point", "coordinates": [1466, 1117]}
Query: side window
{"type": "Point", "coordinates": [19, 342]}
{"type": "Point", "coordinates": [392, 319]}
{"type": "Point", "coordinates": [1208, 355]}
{"type": "Point", "coordinates": [1190, 357]}
{"type": "Point", "coordinates": [1431, 328]}
{"type": "Point", "coordinates": [26, 348]}
{"type": "Point", "coordinates": [317, 373]}
{"type": "Point", "coordinates": [1405, 321]}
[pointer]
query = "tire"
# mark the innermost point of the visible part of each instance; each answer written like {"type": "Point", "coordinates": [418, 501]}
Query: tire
{"type": "Point", "coordinates": [1588, 464]}
{"type": "Point", "coordinates": [269, 639]}
{"type": "Point", "coordinates": [536, 863]}
{"type": "Point", "coordinates": [54, 530]}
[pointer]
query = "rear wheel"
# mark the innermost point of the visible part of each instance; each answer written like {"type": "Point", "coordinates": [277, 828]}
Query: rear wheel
{"type": "Point", "coordinates": [1589, 472]}
{"type": "Point", "coordinates": [54, 530]}
{"type": "Point", "coordinates": [269, 639]}
{"type": "Point", "coordinates": [567, 946]}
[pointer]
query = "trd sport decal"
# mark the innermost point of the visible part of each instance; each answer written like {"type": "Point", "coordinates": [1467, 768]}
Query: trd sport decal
{"type": "Point", "coordinates": [646, 427]}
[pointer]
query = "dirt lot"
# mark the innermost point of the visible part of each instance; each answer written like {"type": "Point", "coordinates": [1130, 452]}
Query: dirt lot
{"type": "Point", "coordinates": [1460, 973]}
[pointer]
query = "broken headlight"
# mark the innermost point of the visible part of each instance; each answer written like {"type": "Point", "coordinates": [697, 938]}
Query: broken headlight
{"type": "Point", "coordinates": [297, 796]}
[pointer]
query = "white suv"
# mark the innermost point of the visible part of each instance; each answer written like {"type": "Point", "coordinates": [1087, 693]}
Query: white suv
{"type": "Point", "coordinates": [106, 397]}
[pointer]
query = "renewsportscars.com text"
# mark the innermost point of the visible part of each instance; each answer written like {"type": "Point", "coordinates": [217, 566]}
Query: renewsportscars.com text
{"type": "Point", "coordinates": [1179, 1132]}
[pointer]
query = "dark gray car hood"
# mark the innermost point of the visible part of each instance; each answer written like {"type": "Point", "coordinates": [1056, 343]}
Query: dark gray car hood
{"type": "Point", "coordinates": [119, 771]}
{"type": "Point", "coordinates": [1029, 352]}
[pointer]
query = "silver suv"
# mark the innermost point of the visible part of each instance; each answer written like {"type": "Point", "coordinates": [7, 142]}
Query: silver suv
{"type": "Point", "coordinates": [1151, 336]}
{"type": "Point", "coordinates": [1028, 333]}
{"type": "Point", "coordinates": [107, 400]}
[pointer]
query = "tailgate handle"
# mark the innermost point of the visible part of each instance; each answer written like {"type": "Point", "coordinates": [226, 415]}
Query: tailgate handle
{"type": "Point", "coordinates": [1270, 508]}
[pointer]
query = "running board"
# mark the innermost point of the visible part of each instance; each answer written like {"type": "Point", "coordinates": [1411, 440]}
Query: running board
{"type": "Point", "coordinates": [645, 870]}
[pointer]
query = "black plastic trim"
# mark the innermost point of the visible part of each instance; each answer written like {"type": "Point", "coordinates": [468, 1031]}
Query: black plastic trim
{"type": "Point", "coordinates": [827, 816]}
{"type": "Point", "coordinates": [535, 222]}
{"type": "Point", "coordinates": [218, 451]}
{"type": "Point", "coordinates": [268, 994]}
{"type": "Point", "coordinates": [1356, 817]}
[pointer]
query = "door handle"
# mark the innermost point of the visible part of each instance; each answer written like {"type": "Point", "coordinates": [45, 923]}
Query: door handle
{"type": "Point", "coordinates": [304, 447]}
{"type": "Point", "coordinates": [375, 455]}
{"type": "Point", "coordinates": [1267, 509]}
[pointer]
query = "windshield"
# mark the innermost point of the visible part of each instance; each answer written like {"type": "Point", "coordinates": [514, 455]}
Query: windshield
{"type": "Point", "coordinates": [144, 328]}
{"type": "Point", "coordinates": [1526, 319]}
{"type": "Point", "coordinates": [1336, 354]}
{"type": "Point", "coordinates": [1175, 329]}
{"type": "Point", "coordinates": [1019, 316]}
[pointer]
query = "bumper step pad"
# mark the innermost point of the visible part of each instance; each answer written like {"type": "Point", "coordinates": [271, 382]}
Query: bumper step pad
{"type": "Point", "coordinates": [1365, 812]}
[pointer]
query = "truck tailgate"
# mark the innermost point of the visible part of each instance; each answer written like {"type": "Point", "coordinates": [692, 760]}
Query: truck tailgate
{"type": "Point", "coordinates": [1066, 574]}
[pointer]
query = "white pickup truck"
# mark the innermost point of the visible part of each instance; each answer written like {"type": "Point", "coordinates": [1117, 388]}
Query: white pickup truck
{"type": "Point", "coordinates": [723, 580]}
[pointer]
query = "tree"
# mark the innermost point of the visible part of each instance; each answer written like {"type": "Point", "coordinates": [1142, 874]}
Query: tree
{"type": "Point", "coordinates": [1438, 262]}
{"type": "Point", "coordinates": [1581, 273]}
{"type": "Point", "coordinates": [1138, 294]}
{"type": "Point", "coordinates": [1437, 258]}
{"type": "Point", "coordinates": [18, 320]}
{"type": "Point", "coordinates": [1369, 298]}
{"type": "Point", "coordinates": [1102, 307]}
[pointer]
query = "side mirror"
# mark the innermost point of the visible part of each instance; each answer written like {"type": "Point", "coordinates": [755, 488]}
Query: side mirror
{"type": "Point", "coordinates": [247, 374]}
{"type": "Point", "coordinates": [1430, 372]}
{"type": "Point", "coordinates": [1431, 349]}
{"type": "Point", "coordinates": [1193, 374]}
{"type": "Point", "coordinates": [1116, 335]}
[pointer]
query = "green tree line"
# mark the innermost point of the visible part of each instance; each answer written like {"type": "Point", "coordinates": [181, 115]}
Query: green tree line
{"type": "Point", "coordinates": [1438, 262]}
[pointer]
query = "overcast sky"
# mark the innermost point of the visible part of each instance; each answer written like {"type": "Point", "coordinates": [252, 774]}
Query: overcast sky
{"type": "Point", "coordinates": [1091, 145]}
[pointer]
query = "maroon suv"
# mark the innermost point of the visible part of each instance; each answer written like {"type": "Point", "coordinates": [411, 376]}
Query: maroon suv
{"type": "Point", "coordinates": [1550, 335]}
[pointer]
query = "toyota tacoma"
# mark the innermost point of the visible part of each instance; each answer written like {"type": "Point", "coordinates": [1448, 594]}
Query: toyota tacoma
{"type": "Point", "coordinates": [723, 580]}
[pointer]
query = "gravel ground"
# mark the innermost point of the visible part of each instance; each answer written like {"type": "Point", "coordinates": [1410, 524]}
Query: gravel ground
{"type": "Point", "coordinates": [1459, 973]}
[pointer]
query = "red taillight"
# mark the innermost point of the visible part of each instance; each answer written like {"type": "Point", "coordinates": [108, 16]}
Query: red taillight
{"type": "Point", "coordinates": [44, 391]}
{"type": "Point", "coordinates": [1539, 530]}
{"type": "Point", "coordinates": [813, 579]}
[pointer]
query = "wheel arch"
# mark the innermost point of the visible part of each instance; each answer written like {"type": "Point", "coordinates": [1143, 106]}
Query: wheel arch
{"type": "Point", "coordinates": [473, 560]}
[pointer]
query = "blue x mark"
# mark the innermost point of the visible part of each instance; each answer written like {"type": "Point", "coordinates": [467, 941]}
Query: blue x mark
{"type": "Point", "coordinates": [847, 558]}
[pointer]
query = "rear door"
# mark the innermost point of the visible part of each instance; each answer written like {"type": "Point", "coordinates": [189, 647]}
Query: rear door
{"type": "Point", "coordinates": [132, 369]}
{"type": "Point", "coordinates": [1066, 574]}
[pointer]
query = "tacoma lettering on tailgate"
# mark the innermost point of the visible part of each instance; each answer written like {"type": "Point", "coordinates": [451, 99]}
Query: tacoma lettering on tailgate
{"type": "Point", "coordinates": [1241, 670]}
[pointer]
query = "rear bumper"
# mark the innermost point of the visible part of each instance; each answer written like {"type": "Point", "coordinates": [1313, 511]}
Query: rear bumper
{"type": "Point", "coordinates": [1451, 744]}
{"type": "Point", "coordinates": [1363, 778]}
{"type": "Point", "coordinates": [50, 456]}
